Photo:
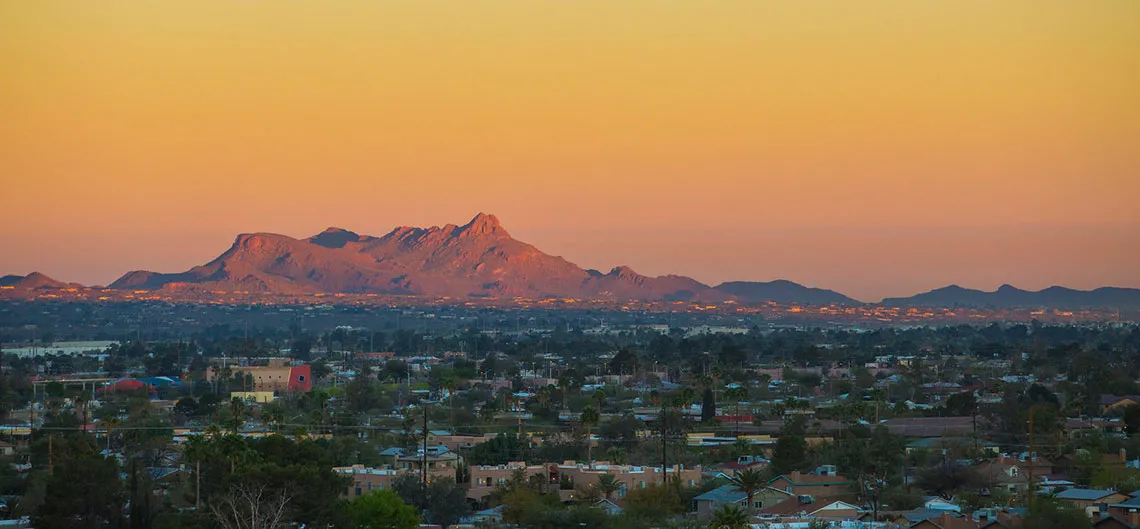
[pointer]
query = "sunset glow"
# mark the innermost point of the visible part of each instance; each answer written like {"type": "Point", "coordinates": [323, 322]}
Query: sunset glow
{"type": "Point", "coordinates": [877, 148]}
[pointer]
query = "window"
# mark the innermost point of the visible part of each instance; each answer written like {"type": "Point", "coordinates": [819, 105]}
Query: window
{"type": "Point", "coordinates": [758, 505]}
{"type": "Point", "coordinates": [369, 486]}
{"type": "Point", "coordinates": [358, 491]}
{"type": "Point", "coordinates": [300, 378]}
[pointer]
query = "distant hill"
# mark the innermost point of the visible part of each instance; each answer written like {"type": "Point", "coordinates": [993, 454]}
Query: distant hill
{"type": "Point", "coordinates": [782, 291]}
{"type": "Point", "coordinates": [1008, 296]}
{"type": "Point", "coordinates": [477, 259]}
{"type": "Point", "coordinates": [480, 259]}
{"type": "Point", "coordinates": [32, 281]}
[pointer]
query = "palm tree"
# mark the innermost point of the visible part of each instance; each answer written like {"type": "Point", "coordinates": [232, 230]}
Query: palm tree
{"type": "Point", "coordinates": [749, 481]}
{"type": "Point", "coordinates": [599, 398]}
{"type": "Point", "coordinates": [736, 394]}
{"type": "Point", "coordinates": [729, 517]}
{"type": "Point", "coordinates": [564, 384]}
{"type": "Point", "coordinates": [589, 418]}
{"type": "Point", "coordinates": [687, 396]}
{"type": "Point", "coordinates": [237, 412]}
{"type": "Point", "coordinates": [608, 485]}
{"type": "Point", "coordinates": [449, 384]}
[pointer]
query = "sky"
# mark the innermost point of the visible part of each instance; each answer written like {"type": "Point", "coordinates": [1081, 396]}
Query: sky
{"type": "Point", "coordinates": [879, 148]}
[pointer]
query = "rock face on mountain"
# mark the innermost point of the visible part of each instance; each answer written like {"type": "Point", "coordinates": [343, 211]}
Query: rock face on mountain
{"type": "Point", "coordinates": [1007, 296]}
{"type": "Point", "coordinates": [782, 291]}
{"type": "Point", "coordinates": [478, 259]}
{"type": "Point", "coordinates": [32, 281]}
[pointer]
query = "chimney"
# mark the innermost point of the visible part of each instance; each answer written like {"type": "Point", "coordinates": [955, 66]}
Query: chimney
{"type": "Point", "coordinates": [1134, 517]}
{"type": "Point", "coordinates": [1123, 455]}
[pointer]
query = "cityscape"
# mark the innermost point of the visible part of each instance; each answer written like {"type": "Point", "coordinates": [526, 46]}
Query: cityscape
{"type": "Point", "coordinates": [559, 265]}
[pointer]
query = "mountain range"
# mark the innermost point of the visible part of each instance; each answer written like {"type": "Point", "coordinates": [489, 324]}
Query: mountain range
{"type": "Point", "coordinates": [1008, 296]}
{"type": "Point", "coordinates": [481, 259]}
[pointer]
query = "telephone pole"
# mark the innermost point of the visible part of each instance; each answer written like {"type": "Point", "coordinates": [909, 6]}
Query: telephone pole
{"type": "Point", "coordinates": [1032, 460]}
{"type": "Point", "coordinates": [664, 450]}
{"type": "Point", "coordinates": [424, 462]}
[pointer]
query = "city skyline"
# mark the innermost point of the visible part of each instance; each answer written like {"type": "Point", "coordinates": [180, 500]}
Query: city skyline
{"type": "Point", "coordinates": [875, 150]}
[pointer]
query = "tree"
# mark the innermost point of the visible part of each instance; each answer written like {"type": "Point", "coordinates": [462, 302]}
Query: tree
{"type": "Point", "coordinates": [789, 454]}
{"type": "Point", "coordinates": [83, 491]}
{"type": "Point", "coordinates": [749, 481]}
{"type": "Point", "coordinates": [623, 363]}
{"type": "Point", "coordinates": [729, 517]}
{"type": "Point", "coordinates": [1052, 514]}
{"type": "Point", "coordinates": [708, 406]}
{"type": "Point", "coordinates": [443, 502]}
{"type": "Point", "coordinates": [500, 450]}
{"type": "Point", "coordinates": [249, 507]}
{"type": "Point", "coordinates": [961, 404]}
{"type": "Point", "coordinates": [608, 485]}
{"type": "Point", "coordinates": [382, 509]}
{"type": "Point", "coordinates": [589, 418]}
{"type": "Point", "coordinates": [654, 504]}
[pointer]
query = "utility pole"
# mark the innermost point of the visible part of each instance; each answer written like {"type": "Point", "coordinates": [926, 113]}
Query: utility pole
{"type": "Point", "coordinates": [197, 484]}
{"type": "Point", "coordinates": [664, 449]}
{"type": "Point", "coordinates": [1032, 459]}
{"type": "Point", "coordinates": [32, 420]}
{"type": "Point", "coordinates": [424, 462]}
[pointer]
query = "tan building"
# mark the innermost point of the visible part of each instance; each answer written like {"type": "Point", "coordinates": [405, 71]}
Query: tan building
{"type": "Point", "coordinates": [272, 375]}
{"type": "Point", "coordinates": [484, 479]}
{"type": "Point", "coordinates": [455, 443]}
{"type": "Point", "coordinates": [824, 482]}
{"type": "Point", "coordinates": [260, 397]}
{"type": "Point", "coordinates": [441, 462]}
{"type": "Point", "coordinates": [365, 480]}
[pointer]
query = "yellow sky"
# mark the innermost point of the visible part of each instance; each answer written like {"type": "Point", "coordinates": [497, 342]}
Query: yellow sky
{"type": "Point", "coordinates": [875, 147]}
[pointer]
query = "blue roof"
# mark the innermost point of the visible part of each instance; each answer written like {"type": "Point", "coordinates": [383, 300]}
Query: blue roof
{"type": "Point", "coordinates": [161, 381]}
{"type": "Point", "coordinates": [1084, 494]}
{"type": "Point", "coordinates": [723, 494]}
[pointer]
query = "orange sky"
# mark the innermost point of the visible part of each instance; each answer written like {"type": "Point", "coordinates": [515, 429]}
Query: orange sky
{"type": "Point", "coordinates": [875, 147]}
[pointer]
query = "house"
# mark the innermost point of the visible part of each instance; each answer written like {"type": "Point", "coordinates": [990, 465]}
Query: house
{"type": "Point", "coordinates": [1110, 522]}
{"type": "Point", "coordinates": [711, 501]}
{"type": "Point", "coordinates": [823, 482]}
{"type": "Point", "coordinates": [1085, 498]}
{"type": "Point", "coordinates": [1115, 404]}
{"type": "Point", "coordinates": [1012, 473]}
{"type": "Point", "coordinates": [953, 445]}
{"type": "Point", "coordinates": [808, 507]}
{"type": "Point", "coordinates": [931, 426]}
{"type": "Point", "coordinates": [365, 479]}
{"type": "Point", "coordinates": [609, 507]}
{"type": "Point", "coordinates": [1128, 510]}
{"type": "Point", "coordinates": [744, 463]}
{"type": "Point", "coordinates": [440, 461]}
{"type": "Point", "coordinates": [492, 516]}
{"type": "Point", "coordinates": [937, 504]}
{"type": "Point", "coordinates": [950, 521]}
{"type": "Point", "coordinates": [836, 510]}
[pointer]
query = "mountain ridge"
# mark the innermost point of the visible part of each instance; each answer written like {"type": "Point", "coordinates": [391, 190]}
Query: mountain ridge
{"type": "Point", "coordinates": [480, 259]}
{"type": "Point", "coordinates": [477, 259]}
{"type": "Point", "coordinates": [1009, 296]}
